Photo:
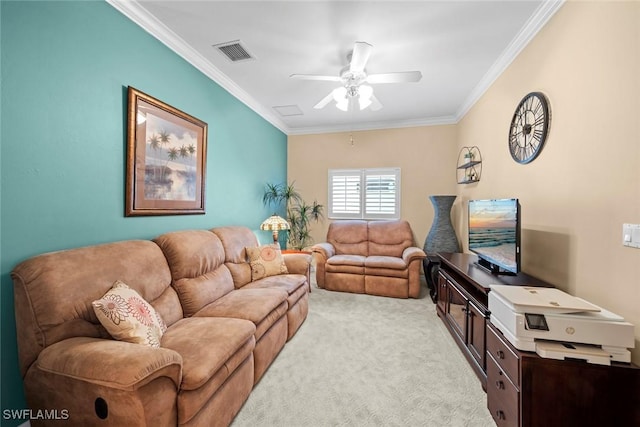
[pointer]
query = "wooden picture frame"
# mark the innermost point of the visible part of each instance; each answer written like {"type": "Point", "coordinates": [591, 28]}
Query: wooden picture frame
{"type": "Point", "coordinates": [166, 158]}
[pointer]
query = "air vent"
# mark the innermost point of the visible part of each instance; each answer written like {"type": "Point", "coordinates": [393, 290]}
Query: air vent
{"type": "Point", "coordinates": [234, 51]}
{"type": "Point", "coordinates": [288, 110]}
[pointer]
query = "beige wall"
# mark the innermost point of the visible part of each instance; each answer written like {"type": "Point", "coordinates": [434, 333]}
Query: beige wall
{"type": "Point", "coordinates": [426, 156]}
{"type": "Point", "coordinates": [575, 196]}
{"type": "Point", "coordinates": [586, 182]}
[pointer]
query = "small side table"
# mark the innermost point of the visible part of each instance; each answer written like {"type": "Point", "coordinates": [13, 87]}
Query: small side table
{"type": "Point", "coordinates": [430, 265]}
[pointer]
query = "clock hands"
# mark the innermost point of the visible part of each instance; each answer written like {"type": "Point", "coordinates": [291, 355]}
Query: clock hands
{"type": "Point", "coordinates": [529, 127]}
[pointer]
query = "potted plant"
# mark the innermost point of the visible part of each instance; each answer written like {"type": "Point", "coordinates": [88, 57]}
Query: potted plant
{"type": "Point", "coordinates": [469, 156]}
{"type": "Point", "coordinates": [299, 213]}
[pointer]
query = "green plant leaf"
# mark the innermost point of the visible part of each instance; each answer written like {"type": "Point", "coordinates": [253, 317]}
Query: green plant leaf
{"type": "Point", "coordinates": [299, 213]}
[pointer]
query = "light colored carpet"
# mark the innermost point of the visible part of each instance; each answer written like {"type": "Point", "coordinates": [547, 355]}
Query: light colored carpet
{"type": "Point", "coordinates": [361, 360]}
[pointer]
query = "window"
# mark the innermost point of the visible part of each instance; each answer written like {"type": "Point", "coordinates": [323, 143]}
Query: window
{"type": "Point", "coordinates": [364, 193]}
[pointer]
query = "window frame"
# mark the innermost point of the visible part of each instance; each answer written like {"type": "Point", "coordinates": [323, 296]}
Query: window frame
{"type": "Point", "coordinates": [360, 211]}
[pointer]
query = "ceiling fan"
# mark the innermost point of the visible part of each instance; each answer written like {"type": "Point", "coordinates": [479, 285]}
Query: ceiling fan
{"type": "Point", "coordinates": [353, 79]}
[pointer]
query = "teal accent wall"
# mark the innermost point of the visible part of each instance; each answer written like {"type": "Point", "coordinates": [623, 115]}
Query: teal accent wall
{"type": "Point", "coordinates": [65, 68]}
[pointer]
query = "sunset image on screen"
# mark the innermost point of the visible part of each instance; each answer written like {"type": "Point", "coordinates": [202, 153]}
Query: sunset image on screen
{"type": "Point", "coordinates": [492, 230]}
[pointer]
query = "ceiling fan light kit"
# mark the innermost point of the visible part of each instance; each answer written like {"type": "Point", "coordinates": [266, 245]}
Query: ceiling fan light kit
{"type": "Point", "coordinates": [353, 78]}
{"type": "Point", "coordinates": [364, 98]}
{"type": "Point", "coordinates": [340, 96]}
{"type": "Point", "coordinates": [343, 97]}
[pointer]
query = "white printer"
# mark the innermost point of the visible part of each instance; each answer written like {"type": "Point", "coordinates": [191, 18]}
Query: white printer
{"type": "Point", "coordinates": [557, 325]}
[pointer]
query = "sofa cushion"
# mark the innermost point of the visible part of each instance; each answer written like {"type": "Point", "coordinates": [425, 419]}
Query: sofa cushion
{"type": "Point", "coordinates": [389, 238]}
{"type": "Point", "coordinates": [265, 261]}
{"type": "Point", "coordinates": [349, 237]}
{"type": "Point", "coordinates": [263, 307]}
{"type": "Point", "coordinates": [206, 344]}
{"type": "Point", "coordinates": [191, 252]}
{"type": "Point", "coordinates": [354, 260]}
{"type": "Point", "coordinates": [235, 240]}
{"type": "Point", "coordinates": [387, 262]}
{"type": "Point", "coordinates": [287, 282]}
{"type": "Point", "coordinates": [128, 317]}
{"type": "Point", "coordinates": [196, 260]}
{"type": "Point", "coordinates": [294, 284]}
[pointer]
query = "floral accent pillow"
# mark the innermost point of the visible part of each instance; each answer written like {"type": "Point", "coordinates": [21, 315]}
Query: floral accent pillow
{"type": "Point", "coordinates": [128, 317]}
{"type": "Point", "coordinates": [266, 260]}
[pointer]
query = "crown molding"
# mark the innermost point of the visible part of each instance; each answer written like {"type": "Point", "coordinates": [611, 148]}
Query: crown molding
{"type": "Point", "coordinates": [139, 15]}
{"type": "Point", "coordinates": [535, 23]}
{"type": "Point", "coordinates": [394, 124]}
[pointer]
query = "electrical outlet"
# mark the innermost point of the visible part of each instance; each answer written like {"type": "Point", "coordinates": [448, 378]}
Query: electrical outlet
{"type": "Point", "coordinates": [631, 235]}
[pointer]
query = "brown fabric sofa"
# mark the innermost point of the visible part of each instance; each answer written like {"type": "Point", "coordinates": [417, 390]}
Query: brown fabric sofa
{"type": "Point", "coordinates": [372, 257]}
{"type": "Point", "coordinates": [296, 285]}
{"type": "Point", "coordinates": [222, 332]}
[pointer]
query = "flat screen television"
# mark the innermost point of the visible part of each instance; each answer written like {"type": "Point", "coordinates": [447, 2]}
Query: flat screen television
{"type": "Point", "coordinates": [494, 234]}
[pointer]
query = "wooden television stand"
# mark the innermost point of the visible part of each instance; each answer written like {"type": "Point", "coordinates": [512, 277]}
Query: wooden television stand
{"type": "Point", "coordinates": [524, 389]}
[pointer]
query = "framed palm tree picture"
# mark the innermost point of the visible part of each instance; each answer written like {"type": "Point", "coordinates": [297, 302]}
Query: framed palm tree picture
{"type": "Point", "coordinates": [166, 158]}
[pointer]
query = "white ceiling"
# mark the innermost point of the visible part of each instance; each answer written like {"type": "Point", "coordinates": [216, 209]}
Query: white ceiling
{"type": "Point", "coordinates": [459, 46]}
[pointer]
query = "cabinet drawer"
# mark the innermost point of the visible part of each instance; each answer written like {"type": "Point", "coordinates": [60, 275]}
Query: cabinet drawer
{"type": "Point", "coordinates": [500, 388]}
{"type": "Point", "coordinates": [501, 414]}
{"type": "Point", "coordinates": [507, 360]}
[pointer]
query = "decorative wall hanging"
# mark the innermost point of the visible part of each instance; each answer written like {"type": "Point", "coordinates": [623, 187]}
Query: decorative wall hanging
{"type": "Point", "coordinates": [529, 127]}
{"type": "Point", "coordinates": [166, 158]}
{"type": "Point", "coordinates": [469, 167]}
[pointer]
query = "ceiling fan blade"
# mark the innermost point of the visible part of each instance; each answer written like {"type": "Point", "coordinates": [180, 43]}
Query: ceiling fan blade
{"type": "Point", "coordinates": [324, 101]}
{"type": "Point", "coordinates": [400, 77]}
{"type": "Point", "coordinates": [375, 104]}
{"type": "Point", "coordinates": [315, 77]}
{"type": "Point", "coordinates": [360, 56]}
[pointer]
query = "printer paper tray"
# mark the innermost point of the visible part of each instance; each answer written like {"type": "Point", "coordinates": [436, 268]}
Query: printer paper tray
{"type": "Point", "coordinates": [562, 351]}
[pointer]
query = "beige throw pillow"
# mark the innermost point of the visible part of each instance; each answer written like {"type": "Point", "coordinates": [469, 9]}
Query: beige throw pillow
{"type": "Point", "coordinates": [266, 260]}
{"type": "Point", "coordinates": [128, 317]}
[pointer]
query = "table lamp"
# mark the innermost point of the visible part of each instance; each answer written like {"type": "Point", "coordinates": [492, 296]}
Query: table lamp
{"type": "Point", "coordinates": [275, 223]}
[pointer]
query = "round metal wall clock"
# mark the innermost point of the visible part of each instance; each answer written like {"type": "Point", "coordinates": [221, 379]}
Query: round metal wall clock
{"type": "Point", "coordinates": [529, 127]}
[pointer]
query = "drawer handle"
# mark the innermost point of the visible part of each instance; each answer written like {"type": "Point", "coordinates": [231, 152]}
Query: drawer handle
{"type": "Point", "coordinates": [500, 354]}
{"type": "Point", "coordinates": [500, 415]}
{"type": "Point", "coordinates": [500, 385]}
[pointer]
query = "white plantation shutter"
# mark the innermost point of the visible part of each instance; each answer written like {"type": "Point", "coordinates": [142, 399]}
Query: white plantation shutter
{"type": "Point", "coordinates": [364, 193]}
{"type": "Point", "coordinates": [382, 195]}
{"type": "Point", "coordinates": [344, 194]}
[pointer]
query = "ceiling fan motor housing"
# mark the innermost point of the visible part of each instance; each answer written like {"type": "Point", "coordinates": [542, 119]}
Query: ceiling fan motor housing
{"type": "Point", "coordinates": [351, 78]}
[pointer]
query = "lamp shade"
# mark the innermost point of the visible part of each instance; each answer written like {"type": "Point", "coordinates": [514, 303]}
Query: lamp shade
{"type": "Point", "coordinates": [274, 223]}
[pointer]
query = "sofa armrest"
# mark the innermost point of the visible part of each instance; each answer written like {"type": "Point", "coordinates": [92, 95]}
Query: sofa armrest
{"type": "Point", "coordinates": [412, 253]}
{"type": "Point", "coordinates": [115, 364]}
{"type": "Point", "coordinates": [297, 263]}
{"type": "Point", "coordinates": [321, 253]}
{"type": "Point", "coordinates": [325, 250]}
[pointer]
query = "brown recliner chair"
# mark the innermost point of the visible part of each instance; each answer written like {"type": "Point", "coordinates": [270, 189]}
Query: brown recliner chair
{"type": "Point", "coordinates": [372, 257]}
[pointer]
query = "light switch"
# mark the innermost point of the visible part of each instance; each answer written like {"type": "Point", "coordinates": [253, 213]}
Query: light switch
{"type": "Point", "coordinates": [631, 235]}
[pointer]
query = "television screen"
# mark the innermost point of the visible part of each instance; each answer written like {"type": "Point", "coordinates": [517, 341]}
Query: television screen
{"type": "Point", "coordinates": [494, 233]}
